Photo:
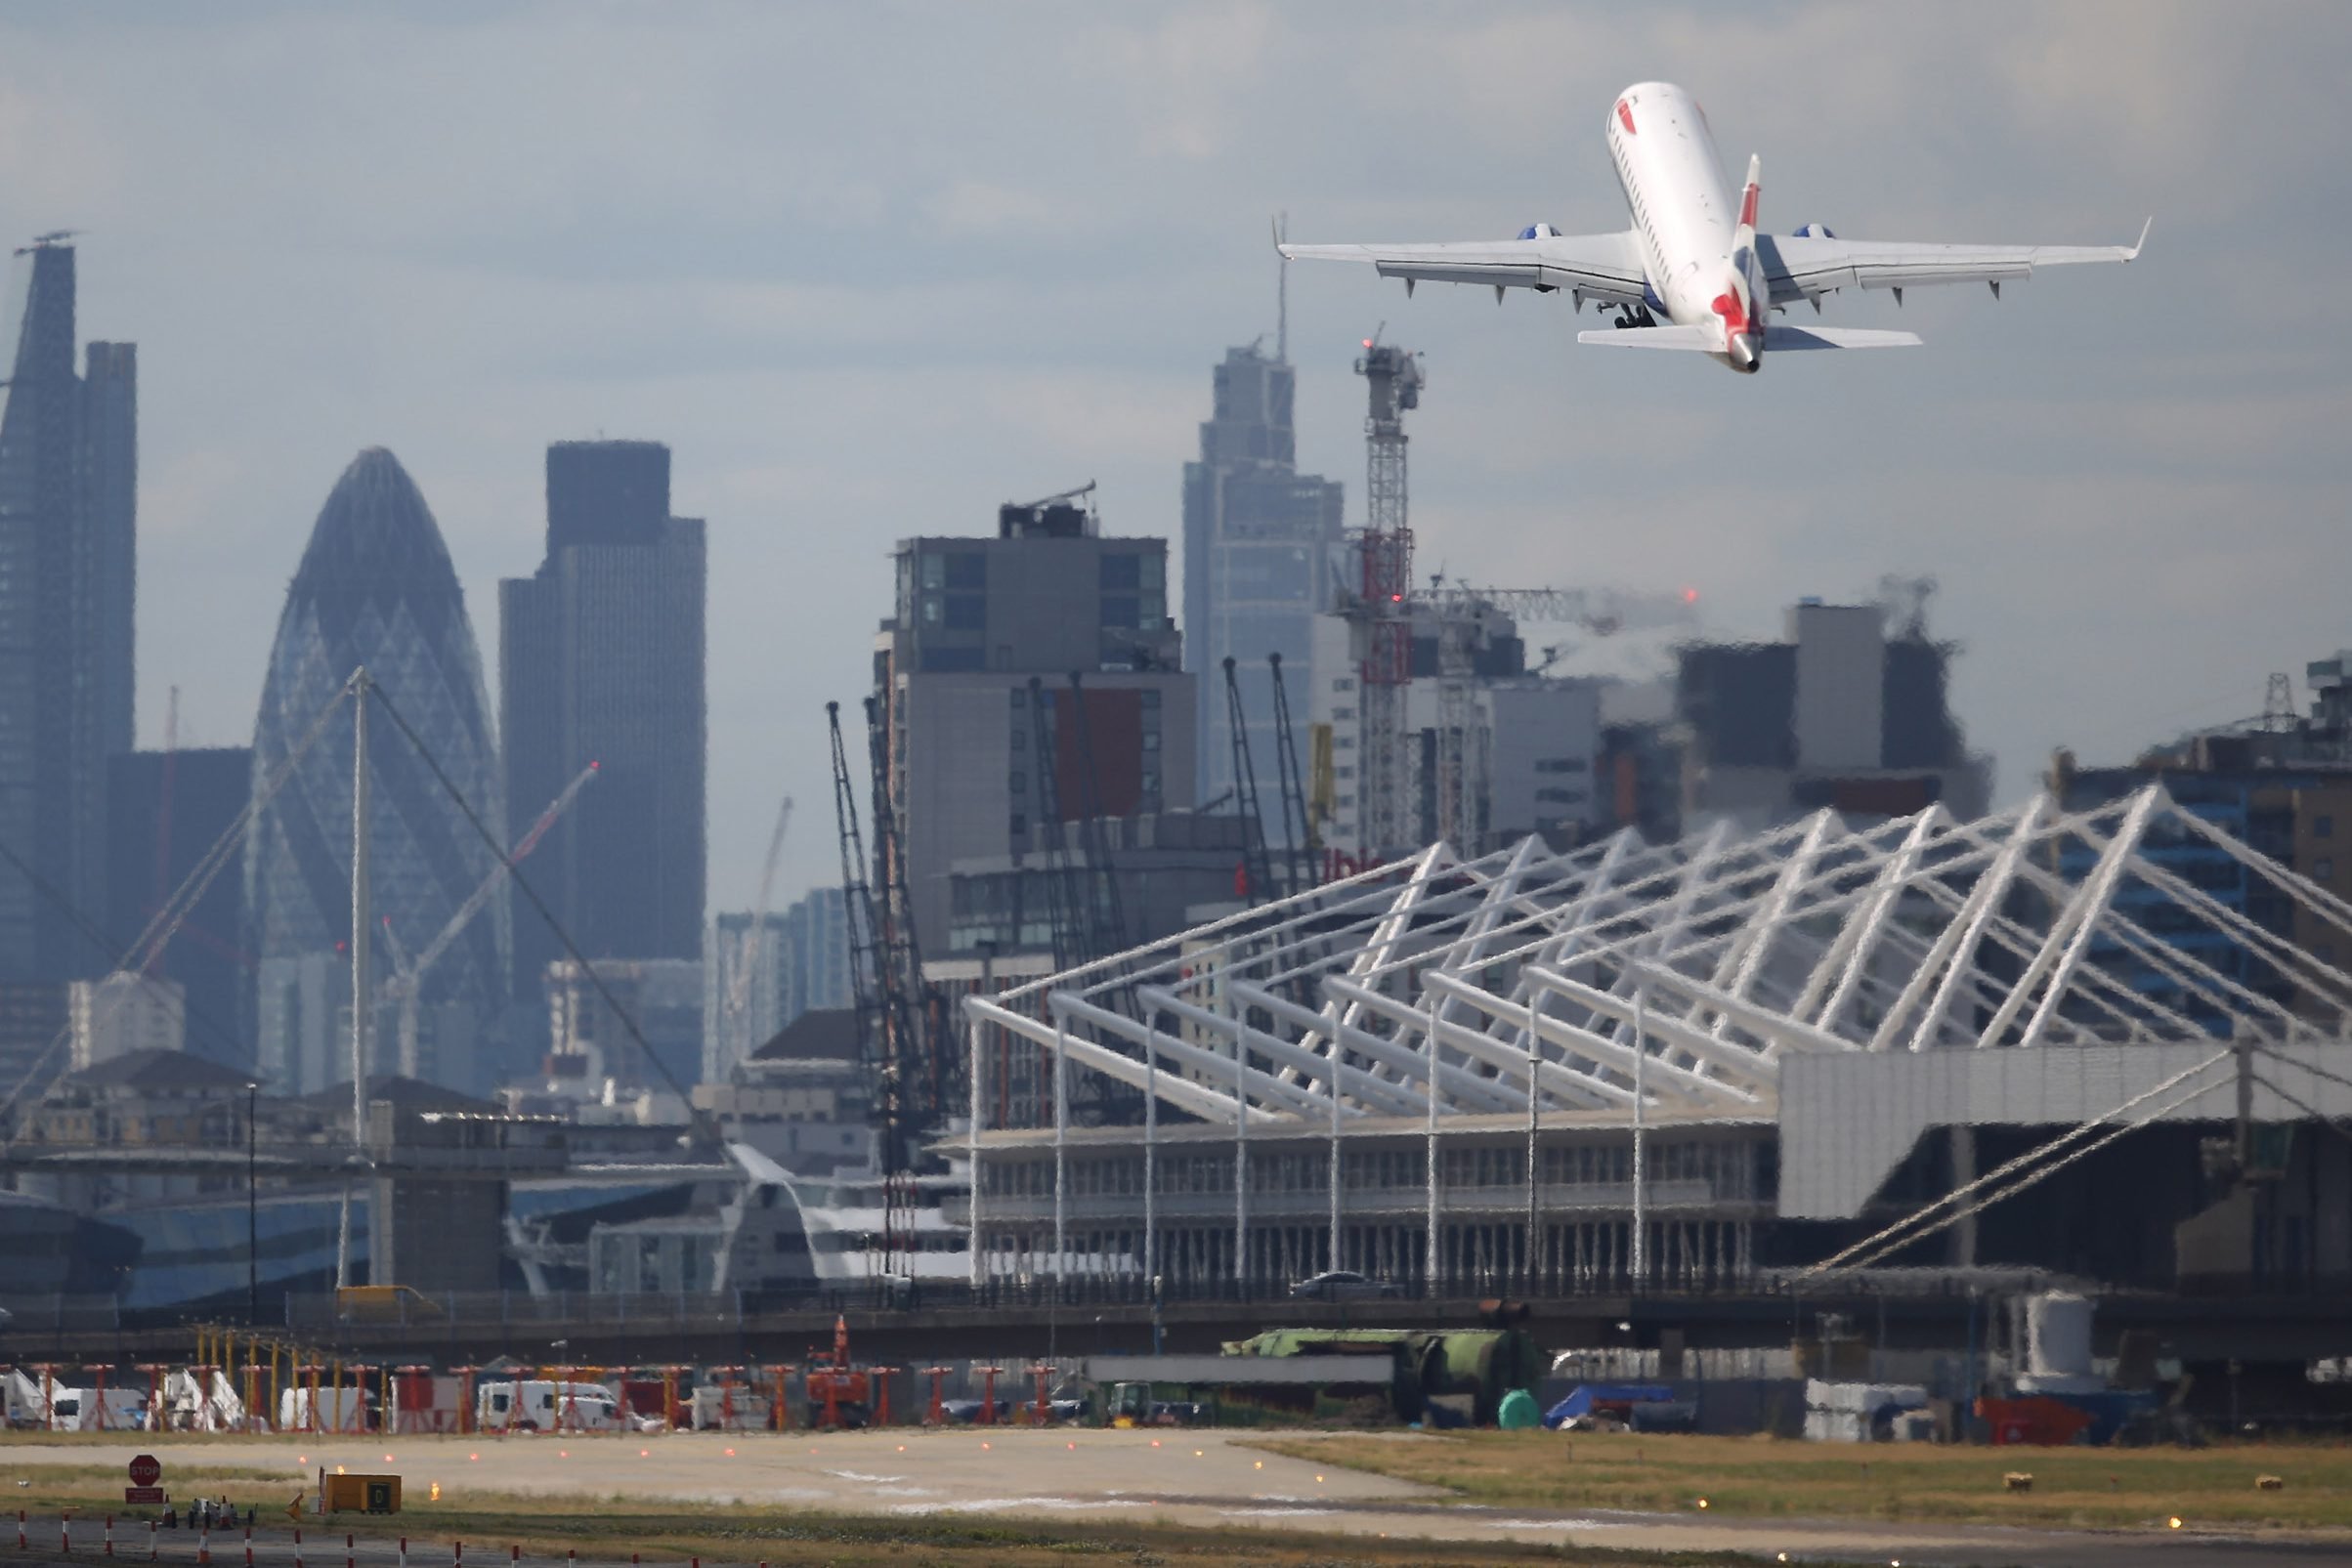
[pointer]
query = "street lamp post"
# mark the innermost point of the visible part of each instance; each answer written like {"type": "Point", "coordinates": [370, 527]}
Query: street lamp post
{"type": "Point", "coordinates": [252, 1215]}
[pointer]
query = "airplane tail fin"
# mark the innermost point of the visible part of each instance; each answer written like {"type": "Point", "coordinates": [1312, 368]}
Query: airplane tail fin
{"type": "Point", "coordinates": [1747, 235]}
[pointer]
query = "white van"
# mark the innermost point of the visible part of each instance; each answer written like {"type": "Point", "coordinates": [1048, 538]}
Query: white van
{"type": "Point", "coordinates": [545, 1405]}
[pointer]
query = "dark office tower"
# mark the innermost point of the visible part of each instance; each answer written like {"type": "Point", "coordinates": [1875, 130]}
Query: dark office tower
{"type": "Point", "coordinates": [375, 588]}
{"type": "Point", "coordinates": [165, 811]}
{"type": "Point", "coordinates": [69, 478]}
{"type": "Point", "coordinates": [1261, 543]}
{"type": "Point", "coordinates": [600, 659]}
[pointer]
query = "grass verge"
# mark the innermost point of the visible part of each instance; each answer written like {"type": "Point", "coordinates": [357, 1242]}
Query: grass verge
{"type": "Point", "coordinates": [1768, 1478]}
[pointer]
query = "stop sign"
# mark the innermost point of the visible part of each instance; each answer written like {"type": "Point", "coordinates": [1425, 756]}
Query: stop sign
{"type": "Point", "coordinates": [145, 1470]}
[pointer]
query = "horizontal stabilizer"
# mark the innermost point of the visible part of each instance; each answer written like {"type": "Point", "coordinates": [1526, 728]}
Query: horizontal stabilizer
{"type": "Point", "coordinates": [1651, 337]}
{"type": "Point", "coordinates": [1797, 339]}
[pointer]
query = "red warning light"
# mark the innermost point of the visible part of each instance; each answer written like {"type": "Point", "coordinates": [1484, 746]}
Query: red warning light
{"type": "Point", "coordinates": [593, 766]}
{"type": "Point", "coordinates": [1689, 596]}
{"type": "Point", "coordinates": [1367, 342]}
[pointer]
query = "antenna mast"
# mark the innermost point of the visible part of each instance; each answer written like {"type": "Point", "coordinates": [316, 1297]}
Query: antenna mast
{"type": "Point", "coordinates": [1282, 294]}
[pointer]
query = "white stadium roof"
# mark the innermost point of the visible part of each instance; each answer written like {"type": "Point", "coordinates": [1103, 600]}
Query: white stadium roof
{"type": "Point", "coordinates": [1699, 967]}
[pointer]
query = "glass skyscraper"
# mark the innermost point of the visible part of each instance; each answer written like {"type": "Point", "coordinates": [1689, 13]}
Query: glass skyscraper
{"type": "Point", "coordinates": [68, 484]}
{"type": "Point", "coordinates": [375, 588]}
{"type": "Point", "coordinates": [600, 659]}
{"type": "Point", "coordinates": [1261, 542]}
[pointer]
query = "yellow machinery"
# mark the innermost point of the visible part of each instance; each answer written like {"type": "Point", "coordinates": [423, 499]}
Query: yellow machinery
{"type": "Point", "coordinates": [359, 1493]}
{"type": "Point", "coordinates": [383, 1303]}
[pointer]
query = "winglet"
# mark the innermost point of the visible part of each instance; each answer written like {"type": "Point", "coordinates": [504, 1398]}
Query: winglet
{"type": "Point", "coordinates": [2133, 254]}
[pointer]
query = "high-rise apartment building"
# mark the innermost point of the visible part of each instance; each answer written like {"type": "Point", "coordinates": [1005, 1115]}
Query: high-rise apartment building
{"type": "Point", "coordinates": [757, 981]}
{"type": "Point", "coordinates": [975, 769]}
{"type": "Point", "coordinates": [124, 1013]}
{"type": "Point", "coordinates": [600, 659]}
{"type": "Point", "coordinates": [69, 481]}
{"type": "Point", "coordinates": [1261, 542]}
{"type": "Point", "coordinates": [377, 588]}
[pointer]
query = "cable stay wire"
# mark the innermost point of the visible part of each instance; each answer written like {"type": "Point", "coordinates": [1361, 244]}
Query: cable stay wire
{"type": "Point", "coordinates": [2031, 1179]}
{"type": "Point", "coordinates": [1917, 1226]}
{"type": "Point", "coordinates": [2300, 1065]}
{"type": "Point", "coordinates": [167, 922]}
{"type": "Point", "coordinates": [2331, 1123]}
{"type": "Point", "coordinates": [701, 1121]}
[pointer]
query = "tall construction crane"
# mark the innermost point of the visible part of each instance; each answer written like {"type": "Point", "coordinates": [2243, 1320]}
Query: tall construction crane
{"type": "Point", "coordinates": [1379, 610]}
{"type": "Point", "coordinates": [163, 811]}
{"type": "Point", "coordinates": [404, 985]}
{"type": "Point", "coordinates": [751, 956]}
{"type": "Point", "coordinates": [1602, 612]}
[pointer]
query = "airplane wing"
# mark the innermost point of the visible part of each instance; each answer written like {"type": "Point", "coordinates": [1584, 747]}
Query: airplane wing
{"type": "Point", "coordinates": [1804, 265]}
{"type": "Point", "coordinates": [1602, 266]}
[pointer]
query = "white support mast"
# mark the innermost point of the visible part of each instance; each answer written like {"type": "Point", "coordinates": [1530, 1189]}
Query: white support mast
{"type": "Point", "coordinates": [363, 998]}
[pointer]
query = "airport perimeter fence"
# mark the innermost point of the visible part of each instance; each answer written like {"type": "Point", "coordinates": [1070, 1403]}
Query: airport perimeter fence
{"type": "Point", "coordinates": [322, 1313]}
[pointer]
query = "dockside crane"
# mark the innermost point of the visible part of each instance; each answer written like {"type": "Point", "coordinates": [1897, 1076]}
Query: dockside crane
{"type": "Point", "coordinates": [922, 1077]}
{"type": "Point", "coordinates": [1106, 910]}
{"type": "Point", "coordinates": [1302, 840]}
{"type": "Point", "coordinates": [857, 910]}
{"type": "Point", "coordinates": [1256, 871]}
{"type": "Point", "coordinates": [1071, 946]}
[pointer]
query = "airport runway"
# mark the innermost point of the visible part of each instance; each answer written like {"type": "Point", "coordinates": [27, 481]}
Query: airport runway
{"type": "Point", "coordinates": [1195, 1478]}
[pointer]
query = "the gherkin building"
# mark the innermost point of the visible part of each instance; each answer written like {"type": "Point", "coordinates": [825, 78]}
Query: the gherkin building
{"type": "Point", "coordinates": [375, 588]}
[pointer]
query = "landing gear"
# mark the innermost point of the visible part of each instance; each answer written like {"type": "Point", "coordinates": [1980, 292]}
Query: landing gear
{"type": "Point", "coordinates": [1631, 315]}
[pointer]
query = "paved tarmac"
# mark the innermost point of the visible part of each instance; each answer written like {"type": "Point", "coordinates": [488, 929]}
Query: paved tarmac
{"type": "Point", "coordinates": [1180, 1477]}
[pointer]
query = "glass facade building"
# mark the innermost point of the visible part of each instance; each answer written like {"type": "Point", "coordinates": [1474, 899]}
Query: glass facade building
{"type": "Point", "coordinates": [68, 482]}
{"type": "Point", "coordinates": [375, 588]}
{"type": "Point", "coordinates": [600, 659]}
{"type": "Point", "coordinates": [1262, 543]}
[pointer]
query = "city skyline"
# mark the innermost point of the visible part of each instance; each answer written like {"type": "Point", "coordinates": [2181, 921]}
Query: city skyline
{"type": "Point", "coordinates": [2097, 497]}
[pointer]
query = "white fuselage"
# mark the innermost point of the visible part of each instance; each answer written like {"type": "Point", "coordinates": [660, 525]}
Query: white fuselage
{"type": "Point", "coordinates": [1685, 216]}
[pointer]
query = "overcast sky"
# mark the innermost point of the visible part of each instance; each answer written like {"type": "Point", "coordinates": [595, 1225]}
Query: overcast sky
{"type": "Point", "coordinates": [870, 270]}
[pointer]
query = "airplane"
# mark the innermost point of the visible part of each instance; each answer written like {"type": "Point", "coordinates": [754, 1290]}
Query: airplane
{"type": "Point", "coordinates": [1695, 258]}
